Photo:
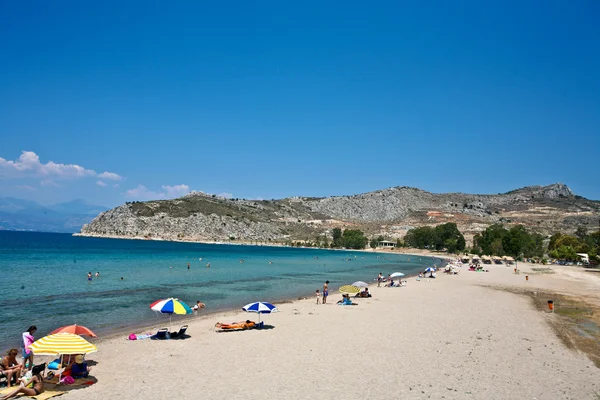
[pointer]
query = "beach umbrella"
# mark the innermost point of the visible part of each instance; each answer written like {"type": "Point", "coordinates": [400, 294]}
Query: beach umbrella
{"type": "Point", "coordinates": [349, 289]}
{"type": "Point", "coordinates": [429, 269]}
{"type": "Point", "coordinates": [61, 344]}
{"type": "Point", "coordinates": [360, 284]}
{"type": "Point", "coordinates": [74, 329]}
{"type": "Point", "coordinates": [396, 275]}
{"type": "Point", "coordinates": [260, 307]}
{"type": "Point", "coordinates": [171, 306]}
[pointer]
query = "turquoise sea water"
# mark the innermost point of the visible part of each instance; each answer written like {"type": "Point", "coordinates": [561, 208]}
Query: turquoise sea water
{"type": "Point", "coordinates": [44, 278]}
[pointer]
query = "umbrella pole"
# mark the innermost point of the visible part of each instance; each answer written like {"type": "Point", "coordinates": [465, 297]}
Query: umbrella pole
{"type": "Point", "coordinates": [61, 368]}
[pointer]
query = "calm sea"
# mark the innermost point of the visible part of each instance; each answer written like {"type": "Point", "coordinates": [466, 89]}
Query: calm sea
{"type": "Point", "coordinates": [43, 278]}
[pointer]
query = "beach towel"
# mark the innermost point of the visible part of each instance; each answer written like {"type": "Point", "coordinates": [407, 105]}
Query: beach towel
{"type": "Point", "coordinates": [236, 325]}
{"type": "Point", "coordinates": [42, 396]}
{"type": "Point", "coordinates": [135, 336]}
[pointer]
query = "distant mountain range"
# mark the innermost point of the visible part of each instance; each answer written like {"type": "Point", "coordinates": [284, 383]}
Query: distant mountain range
{"type": "Point", "coordinates": [389, 212]}
{"type": "Point", "coordinates": [24, 215]}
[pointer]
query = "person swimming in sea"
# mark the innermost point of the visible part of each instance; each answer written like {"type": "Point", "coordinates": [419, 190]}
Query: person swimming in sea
{"type": "Point", "coordinates": [90, 276]}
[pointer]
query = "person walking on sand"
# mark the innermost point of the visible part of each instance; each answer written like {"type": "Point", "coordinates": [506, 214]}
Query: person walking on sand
{"type": "Point", "coordinates": [379, 279]}
{"type": "Point", "coordinates": [325, 291]}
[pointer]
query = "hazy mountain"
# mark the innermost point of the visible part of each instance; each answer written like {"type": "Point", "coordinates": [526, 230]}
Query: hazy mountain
{"type": "Point", "coordinates": [19, 214]}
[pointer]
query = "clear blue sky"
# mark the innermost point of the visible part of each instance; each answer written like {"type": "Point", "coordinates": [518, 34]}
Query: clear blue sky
{"type": "Point", "coordinates": [270, 99]}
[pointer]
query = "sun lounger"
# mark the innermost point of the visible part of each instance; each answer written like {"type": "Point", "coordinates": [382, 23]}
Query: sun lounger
{"type": "Point", "coordinates": [161, 334]}
{"type": "Point", "coordinates": [242, 325]}
{"type": "Point", "coordinates": [181, 334]}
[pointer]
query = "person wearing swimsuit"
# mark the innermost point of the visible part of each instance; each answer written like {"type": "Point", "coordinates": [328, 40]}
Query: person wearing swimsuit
{"type": "Point", "coordinates": [325, 291]}
{"type": "Point", "coordinates": [38, 385]}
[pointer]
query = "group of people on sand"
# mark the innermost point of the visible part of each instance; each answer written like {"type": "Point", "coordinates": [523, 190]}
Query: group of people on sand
{"type": "Point", "coordinates": [322, 297]}
{"type": "Point", "coordinates": [389, 281]}
{"type": "Point", "coordinates": [23, 374]}
{"type": "Point", "coordinates": [29, 377]}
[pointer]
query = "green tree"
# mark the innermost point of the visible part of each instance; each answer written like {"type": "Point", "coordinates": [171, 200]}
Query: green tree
{"type": "Point", "coordinates": [354, 239]}
{"type": "Point", "coordinates": [337, 237]}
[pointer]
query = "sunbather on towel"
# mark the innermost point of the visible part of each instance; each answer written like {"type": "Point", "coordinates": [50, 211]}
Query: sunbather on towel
{"type": "Point", "coordinates": [236, 325]}
{"type": "Point", "coordinates": [38, 385]}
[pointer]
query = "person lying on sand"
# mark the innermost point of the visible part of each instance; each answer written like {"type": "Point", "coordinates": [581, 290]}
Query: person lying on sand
{"type": "Point", "coordinates": [236, 325]}
{"type": "Point", "coordinates": [36, 380]}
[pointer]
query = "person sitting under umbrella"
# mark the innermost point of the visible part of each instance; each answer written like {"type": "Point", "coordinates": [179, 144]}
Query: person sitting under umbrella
{"type": "Point", "coordinates": [364, 293]}
{"type": "Point", "coordinates": [346, 301]}
{"type": "Point", "coordinates": [79, 369]}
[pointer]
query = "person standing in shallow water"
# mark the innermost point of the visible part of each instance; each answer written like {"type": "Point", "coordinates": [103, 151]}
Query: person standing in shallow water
{"type": "Point", "coordinates": [325, 291]}
{"type": "Point", "coordinates": [188, 265]}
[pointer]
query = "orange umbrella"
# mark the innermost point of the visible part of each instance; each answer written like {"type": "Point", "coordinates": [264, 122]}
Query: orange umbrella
{"type": "Point", "coordinates": [74, 329]}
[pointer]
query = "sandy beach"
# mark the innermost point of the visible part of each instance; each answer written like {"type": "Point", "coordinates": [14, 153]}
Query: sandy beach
{"type": "Point", "coordinates": [454, 337]}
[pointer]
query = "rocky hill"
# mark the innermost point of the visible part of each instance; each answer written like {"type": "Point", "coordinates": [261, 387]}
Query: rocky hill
{"type": "Point", "coordinates": [389, 212]}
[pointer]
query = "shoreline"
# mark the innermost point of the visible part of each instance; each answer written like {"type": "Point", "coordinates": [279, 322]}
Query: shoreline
{"type": "Point", "coordinates": [141, 327]}
{"type": "Point", "coordinates": [486, 343]}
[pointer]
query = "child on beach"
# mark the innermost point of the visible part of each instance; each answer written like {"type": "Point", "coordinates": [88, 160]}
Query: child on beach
{"type": "Point", "coordinates": [318, 296]}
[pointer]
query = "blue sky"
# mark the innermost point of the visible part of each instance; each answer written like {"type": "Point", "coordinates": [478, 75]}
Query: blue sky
{"type": "Point", "coordinates": [116, 101]}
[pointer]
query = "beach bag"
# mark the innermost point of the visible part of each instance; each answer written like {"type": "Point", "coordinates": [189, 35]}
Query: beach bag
{"type": "Point", "coordinates": [133, 336]}
{"type": "Point", "coordinates": [68, 380]}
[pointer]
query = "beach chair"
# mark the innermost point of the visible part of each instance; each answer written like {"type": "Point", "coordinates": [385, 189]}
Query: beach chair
{"type": "Point", "coordinates": [181, 334]}
{"type": "Point", "coordinates": [161, 334]}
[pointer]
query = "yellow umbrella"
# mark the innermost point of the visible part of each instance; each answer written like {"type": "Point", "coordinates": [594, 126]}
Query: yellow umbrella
{"type": "Point", "coordinates": [349, 289]}
{"type": "Point", "coordinates": [62, 343]}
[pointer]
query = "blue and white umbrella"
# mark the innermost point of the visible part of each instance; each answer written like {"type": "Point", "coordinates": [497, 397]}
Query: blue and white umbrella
{"type": "Point", "coordinates": [396, 275]}
{"type": "Point", "coordinates": [430, 269]}
{"type": "Point", "coordinates": [260, 308]}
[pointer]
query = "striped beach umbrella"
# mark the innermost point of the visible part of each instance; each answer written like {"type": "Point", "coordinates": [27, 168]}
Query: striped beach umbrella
{"type": "Point", "coordinates": [62, 343]}
{"type": "Point", "coordinates": [349, 289]}
{"type": "Point", "coordinates": [260, 307]}
{"type": "Point", "coordinates": [171, 306]}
